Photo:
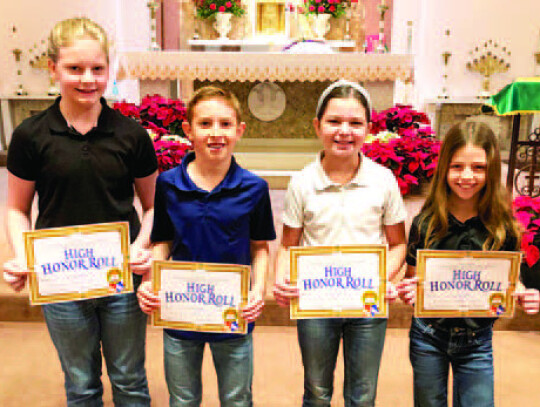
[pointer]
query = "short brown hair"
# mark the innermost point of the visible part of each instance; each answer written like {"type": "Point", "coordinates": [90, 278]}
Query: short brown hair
{"type": "Point", "coordinates": [65, 32]}
{"type": "Point", "coordinates": [210, 92]}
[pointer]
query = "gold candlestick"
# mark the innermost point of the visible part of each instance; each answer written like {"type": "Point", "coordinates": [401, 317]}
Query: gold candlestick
{"type": "Point", "coordinates": [487, 60]}
{"type": "Point", "coordinates": [153, 6]}
{"type": "Point", "coordinates": [40, 60]}
{"type": "Point", "coordinates": [446, 59]}
{"type": "Point", "coordinates": [17, 53]}
{"type": "Point", "coordinates": [444, 91]}
{"type": "Point", "coordinates": [348, 15]}
{"type": "Point", "coordinates": [383, 8]}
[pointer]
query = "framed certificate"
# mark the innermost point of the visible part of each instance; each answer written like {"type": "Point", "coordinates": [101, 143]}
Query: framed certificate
{"type": "Point", "coordinates": [78, 262]}
{"type": "Point", "coordinates": [466, 283]}
{"type": "Point", "coordinates": [204, 297]}
{"type": "Point", "coordinates": [339, 281]}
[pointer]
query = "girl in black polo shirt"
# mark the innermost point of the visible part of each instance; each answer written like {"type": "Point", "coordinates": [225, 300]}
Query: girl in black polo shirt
{"type": "Point", "coordinates": [466, 209]}
{"type": "Point", "coordinates": [84, 161]}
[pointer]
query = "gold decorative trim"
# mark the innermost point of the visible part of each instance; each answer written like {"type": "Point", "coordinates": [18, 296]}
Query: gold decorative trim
{"type": "Point", "coordinates": [243, 270]}
{"type": "Point", "coordinates": [380, 250]}
{"type": "Point", "coordinates": [122, 273]}
{"type": "Point", "coordinates": [508, 300]}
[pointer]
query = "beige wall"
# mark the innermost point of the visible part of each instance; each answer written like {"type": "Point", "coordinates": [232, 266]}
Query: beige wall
{"type": "Point", "coordinates": [515, 24]}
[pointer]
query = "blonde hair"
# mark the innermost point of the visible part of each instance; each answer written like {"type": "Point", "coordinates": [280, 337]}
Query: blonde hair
{"type": "Point", "coordinates": [65, 32]}
{"type": "Point", "coordinates": [493, 204]}
{"type": "Point", "coordinates": [211, 92]}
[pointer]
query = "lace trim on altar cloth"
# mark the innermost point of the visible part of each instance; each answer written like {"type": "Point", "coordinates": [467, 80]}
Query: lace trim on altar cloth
{"type": "Point", "coordinates": [275, 67]}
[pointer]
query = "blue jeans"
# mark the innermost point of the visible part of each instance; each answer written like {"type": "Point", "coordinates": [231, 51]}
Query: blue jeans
{"type": "Point", "coordinates": [80, 329]}
{"type": "Point", "coordinates": [363, 341]}
{"type": "Point", "coordinates": [233, 360]}
{"type": "Point", "coordinates": [434, 348]}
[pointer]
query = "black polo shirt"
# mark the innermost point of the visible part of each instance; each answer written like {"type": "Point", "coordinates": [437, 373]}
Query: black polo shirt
{"type": "Point", "coordinates": [468, 235]}
{"type": "Point", "coordinates": [82, 179]}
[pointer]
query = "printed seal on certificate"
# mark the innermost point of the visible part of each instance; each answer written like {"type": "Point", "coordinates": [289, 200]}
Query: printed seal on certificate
{"type": "Point", "coordinates": [466, 283]}
{"type": "Point", "coordinates": [339, 281]}
{"type": "Point", "coordinates": [78, 262]}
{"type": "Point", "coordinates": [203, 297]}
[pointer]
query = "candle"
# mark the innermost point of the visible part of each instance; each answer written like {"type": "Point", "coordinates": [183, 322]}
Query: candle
{"type": "Point", "coordinates": [409, 36]}
{"type": "Point", "coordinates": [13, 37]}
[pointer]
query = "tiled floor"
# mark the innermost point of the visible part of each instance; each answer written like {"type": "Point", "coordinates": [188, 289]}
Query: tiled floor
{"type": "Point", "coordinates": [30, 374]}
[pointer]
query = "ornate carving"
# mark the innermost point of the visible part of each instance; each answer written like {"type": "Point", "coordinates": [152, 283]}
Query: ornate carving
{"type": "Point", "coordinates": [527, 178]}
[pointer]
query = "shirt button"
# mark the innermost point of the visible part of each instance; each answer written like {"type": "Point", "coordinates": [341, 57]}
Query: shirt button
{"type": "Point", "coordinates": [85, 148]}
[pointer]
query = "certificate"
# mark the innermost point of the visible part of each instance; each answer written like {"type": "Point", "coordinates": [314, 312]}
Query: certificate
{"type": "Point", "coordinates": [466, 283]}
{"type": "Point", "coordinates": [204, 297]}
{"type": "Point", "coordinates": [339, 281]}
{"type": "Point", "coordinates": [78, 262]}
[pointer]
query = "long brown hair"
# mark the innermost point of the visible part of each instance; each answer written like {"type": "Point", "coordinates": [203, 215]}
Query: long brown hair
{"type": "Point", "coordinates": [493, 204]}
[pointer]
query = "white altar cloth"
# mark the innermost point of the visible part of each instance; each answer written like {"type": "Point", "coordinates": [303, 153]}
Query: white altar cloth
{"type": "Point", "coordinates": [254, 66]}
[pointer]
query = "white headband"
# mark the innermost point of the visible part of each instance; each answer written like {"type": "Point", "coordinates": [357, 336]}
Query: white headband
{"type": "Point", "coordinates": [341, 84]}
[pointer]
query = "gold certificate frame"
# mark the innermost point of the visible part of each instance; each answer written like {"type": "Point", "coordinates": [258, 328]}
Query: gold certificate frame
{"type": "Point", "coordinates": [481, 283]}
{"type": "Point", "coordinates": [118, 278]}
{"type": "Point", "coordinates": [366, 296]}
{"type": "Point", "coordinates": [229, 309]}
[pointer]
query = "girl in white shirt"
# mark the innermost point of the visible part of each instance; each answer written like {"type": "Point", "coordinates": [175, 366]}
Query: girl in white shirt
{"type": "Point", "coordinates": [341, 198]}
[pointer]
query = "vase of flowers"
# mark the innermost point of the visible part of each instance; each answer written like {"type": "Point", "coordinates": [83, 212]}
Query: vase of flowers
{"type": "Point", "coordinates": [222, 11]}
{"type": "Point", "coordinates": [321, 25]}
{"type": "Point", "coordinates": [320, 12]}
{"type": "Point", "coordinates": [526, 211]}
{"type": "Point", "coordinates": [223, 24]}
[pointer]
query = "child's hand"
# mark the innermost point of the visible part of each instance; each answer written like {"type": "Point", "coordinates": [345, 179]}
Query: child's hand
{"type": "Point", "coordinates": [15, 274]}
{"type": "Point", "coordinates": [391, 292]}
{"type": "Point", "coordinates": [407, 290]}
{"type": "Point", "coordinates": [529, 299]}
{"type": "Point", "coordinates": [148, 301]}
{"type": "Point", "coordinates": [140, 260]}
{"type": "Point", "coordinates": [254, 307]}
{"type": "Point", "coordinates": [284, 292]}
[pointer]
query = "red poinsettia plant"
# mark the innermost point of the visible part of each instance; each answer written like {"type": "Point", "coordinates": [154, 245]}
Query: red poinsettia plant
{"type": "Point", "coordinates": [163, 119]}
{"type": "Point", "coordinates": [526, 211]}
{"type": "Point", "coordinates": [403, 120]}
{"type": "Point", "coordinates": [404, 142]}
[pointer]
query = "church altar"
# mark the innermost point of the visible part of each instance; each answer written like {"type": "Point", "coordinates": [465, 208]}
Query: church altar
{"type": "Point", "coordinates": [262, 66]}
{"type": "Point", "coordinates": [284, 107]}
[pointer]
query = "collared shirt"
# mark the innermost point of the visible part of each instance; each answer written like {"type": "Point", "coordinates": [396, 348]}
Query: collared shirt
{"type": "Point", "coordinates": [352, 213]}
{"type": "Point", "coordinates": [468, 235]}
{"type": "Point", "coordinates": [211, 226]}
{"type": "Point", "coordinates": [82, 179]}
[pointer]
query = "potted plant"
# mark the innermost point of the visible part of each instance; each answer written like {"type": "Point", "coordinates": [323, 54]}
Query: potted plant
{"type": "Point", "coordinates": [526, 211]}
{"type": "Point", "coordinates": [162, 118]}
{"type": "Point", "coordinates": [320, 11]}
{"type": "Point", "coordinates": [402, 140]}
{"type": "Point", "coordinates": [222, 11]}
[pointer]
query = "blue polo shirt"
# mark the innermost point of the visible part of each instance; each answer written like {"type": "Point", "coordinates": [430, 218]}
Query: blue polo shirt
{"type": "Point", "coordinates": [213, 227]}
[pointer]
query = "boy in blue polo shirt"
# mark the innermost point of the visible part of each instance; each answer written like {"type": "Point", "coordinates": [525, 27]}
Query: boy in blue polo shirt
{"type": "Point", "coordinates": [209, 209]}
